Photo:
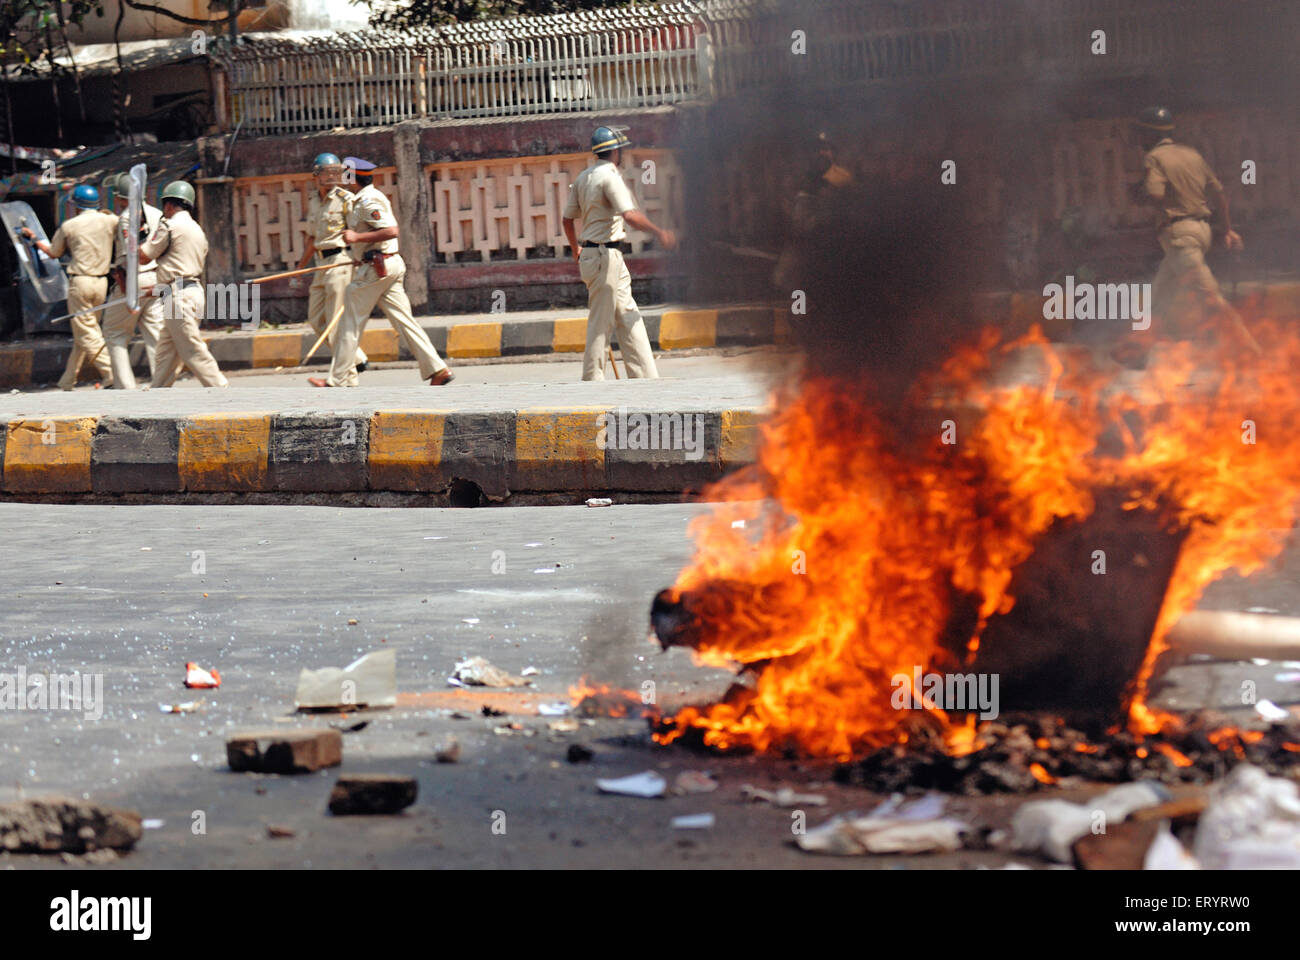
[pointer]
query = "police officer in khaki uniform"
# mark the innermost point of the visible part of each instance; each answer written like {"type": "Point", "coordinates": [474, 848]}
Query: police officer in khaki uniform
{"type": "Point", "coordinates": [181, 249]}
{"type": "Point", "coordinates": [88, 239]}
{"type": "Point", "coordinates": [817, 198]}
{"type": "Point", "coordinates": [372, 235]}
{"type": "Point", "coordinates": [119, 320]}
{"type": "Point", "coordinates": [1179, 183]}
{"type": "Point", "coordinates": [327, 213]}
{"type": "Point", "coordinates": [601, 199]}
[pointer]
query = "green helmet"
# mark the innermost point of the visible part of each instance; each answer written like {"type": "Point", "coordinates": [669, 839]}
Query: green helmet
{"type": "Point", "coordinates": [122, 184]}
{"type": "Point", "coordinates": [179, 190]}
{"type": "Point", "coordinates": [1156, 118]}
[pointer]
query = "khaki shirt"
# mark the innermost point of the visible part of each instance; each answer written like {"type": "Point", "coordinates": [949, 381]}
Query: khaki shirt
{"type": "Point", "coordinates": [179, 246]}
{"type": "Point", "coordinates": [151, 217]}
{"type": "Point", "coordinates": [327, 217]}
{"type": "Point", "coordinates": [371, 211]}
{"type": "Point", "coordinates": [599, 197]}
{"type": "Point", "coordinates": [88, 237]}
{"type": "Point", "coordinates": [1177, 177]}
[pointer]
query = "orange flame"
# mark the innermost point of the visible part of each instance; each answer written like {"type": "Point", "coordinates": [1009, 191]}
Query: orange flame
{"type": "Point", "coordinates": [606, 700]}
{"type": "Point", "coordinates": [1040, 774]}
{"type": "Point", "coordinates": [860, 546]}
{"type": "Point", "coordinates": [1179, 758]}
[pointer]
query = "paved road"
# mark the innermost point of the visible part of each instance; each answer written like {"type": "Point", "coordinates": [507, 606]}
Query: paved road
{"type": "Point", "coordinates": [114, 591]}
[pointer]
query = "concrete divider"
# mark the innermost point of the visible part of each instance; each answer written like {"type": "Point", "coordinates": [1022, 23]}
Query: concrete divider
{"type": "Point", "coordinates": [531, 450]}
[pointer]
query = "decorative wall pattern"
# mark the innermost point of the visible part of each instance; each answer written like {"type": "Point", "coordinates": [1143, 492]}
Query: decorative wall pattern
{"type": "Point", "coordinates": [482, 210]}
{"type": "Point", "coordinates": [271, 218]}
{"type": "Point", "coordinates": [511, 208]}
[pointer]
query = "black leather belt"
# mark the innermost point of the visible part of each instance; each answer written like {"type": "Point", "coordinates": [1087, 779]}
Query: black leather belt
{"type": "Point", "coordinates": [328, 251]}
{"type": "Point", "coordinates": [1187, 216]}
{"type": "Point", "coordinates": [92, 276]}
{"type": "Point", "coordinates": [615, 245]}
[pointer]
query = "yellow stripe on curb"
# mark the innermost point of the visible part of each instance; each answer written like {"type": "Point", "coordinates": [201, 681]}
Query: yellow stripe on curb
{"type": "Point", "coordinates": [277, 350]}
{"type": "Point", "coordinates": [680, 329]}
{"type": "Point", "coordinates": [569, 335]}
{"type": "Point", "coordinates": [224, 452]}
{"type": "Point", "coordinates": [381, 344]}
{"type": "Point", "coordinates": [740, 437]}
{"type": "Point", "coordinates": [557, 449]}
{"type": "Point", "coordinates": [406, 449]}
{"type": "Point", "coordinates": [48, 456]}
{"type": "Point", "coordinates": [16, 367]}
{"type": "Point", "coordinates": [474, 340]}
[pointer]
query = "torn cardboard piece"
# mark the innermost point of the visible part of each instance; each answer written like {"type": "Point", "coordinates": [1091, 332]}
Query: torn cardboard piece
{"type": "Point", "coordinates": [370, 681]}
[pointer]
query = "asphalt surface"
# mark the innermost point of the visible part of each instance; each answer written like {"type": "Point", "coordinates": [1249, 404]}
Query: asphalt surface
{"type": "Point", "coordinates": [114, 591]}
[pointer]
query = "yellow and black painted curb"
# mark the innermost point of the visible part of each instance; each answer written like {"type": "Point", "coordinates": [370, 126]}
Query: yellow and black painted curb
{"type": "Point", "coordinates": [538, 450]}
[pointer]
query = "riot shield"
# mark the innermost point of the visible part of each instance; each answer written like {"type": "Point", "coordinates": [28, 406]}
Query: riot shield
{"type": "Point", "coordinates": [42, 285]}
{"type": "Point", "coordinates": [135, 211]}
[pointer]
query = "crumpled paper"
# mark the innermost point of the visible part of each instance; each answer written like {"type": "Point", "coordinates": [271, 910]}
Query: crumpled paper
{"type": "Point", "coordinates": [1252, 822]}
{"type": "Point", "coordinates": [479, 672]}
{"type": "Point", "coordinates": [893, 827]}
{"type": "Point", "coordinates": [1050, 827]}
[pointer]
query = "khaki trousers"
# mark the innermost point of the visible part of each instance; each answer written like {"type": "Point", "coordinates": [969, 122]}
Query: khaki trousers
{"type": "Point", "coordinates": [326, 296]}
{"type": "Point", "coordinates": [119, 328]}
{"type": "Point", "coordinates": [87, 341]}
{"type": "Point", "coordinates": [610, 305]}
{"type": "Point", "coordinates": [1184, 293]}
{"type": "Point", "coordinates": [181, 340]}
{"type": "Point", "coordinates": [365, 292]}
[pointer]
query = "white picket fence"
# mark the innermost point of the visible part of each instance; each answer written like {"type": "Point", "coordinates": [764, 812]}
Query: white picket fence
{"type": "Point", "coordinates": [651, 55]}
{"type": "Point", "coordinates": [601, 60]}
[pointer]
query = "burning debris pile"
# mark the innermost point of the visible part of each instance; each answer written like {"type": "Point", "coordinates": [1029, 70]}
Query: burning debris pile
{"type": "Point", "coordinates": [1040, 750]}
{"type": "Point", "coordinates": [1052, 545]}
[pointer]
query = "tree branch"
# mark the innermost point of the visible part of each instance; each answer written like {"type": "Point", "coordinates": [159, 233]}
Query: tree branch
{"type": "Point", "coordinates": [152, 8]}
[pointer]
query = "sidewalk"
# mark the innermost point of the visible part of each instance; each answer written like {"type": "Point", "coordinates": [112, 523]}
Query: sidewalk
{"type": "Point", "coordinates": [466, 335]}
{"type": "Point", "coordinates": [670, 327]}
{"type": "Point", "coordinates": [506, 438]}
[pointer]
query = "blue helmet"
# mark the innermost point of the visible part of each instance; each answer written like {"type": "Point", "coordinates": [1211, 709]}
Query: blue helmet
{"type": "Point", "coordinates": [604, 139]}
{"type": "Point", "coordinates": [85, 196]}
{"type": "Point", "coordinates": [325, 160]}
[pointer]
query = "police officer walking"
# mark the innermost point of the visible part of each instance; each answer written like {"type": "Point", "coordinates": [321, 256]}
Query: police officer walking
{"type": "Point", "coordinates": [1179, 183]}
{"type": "Point", "coordinates": [181, 249]}
{"type": "Point", "coordinates": [119, 320]}
{"type": "Point", "coordinates": [327, 213]}
{"type": "Point", "coordinates": [372, 236]}
{"type": "Point", "coordinates": [87, 237]}
{"type": "Point", "coordinates": [601, 199]}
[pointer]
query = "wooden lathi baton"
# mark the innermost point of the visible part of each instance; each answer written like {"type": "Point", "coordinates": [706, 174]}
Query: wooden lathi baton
{"type": "Point", "coordinates": [298, 273]}
{"type": "Point", "coordinates": [338, 314]}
